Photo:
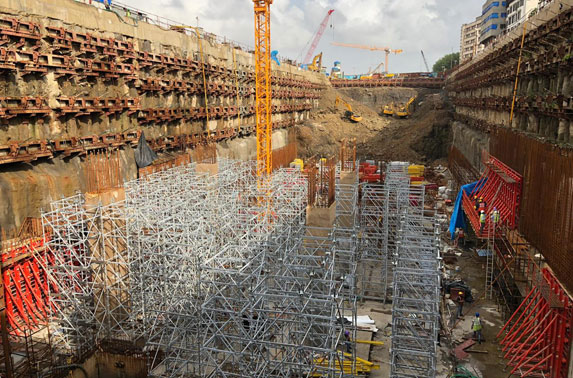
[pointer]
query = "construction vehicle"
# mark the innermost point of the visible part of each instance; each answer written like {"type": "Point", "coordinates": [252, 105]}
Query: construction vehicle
{"type": "Point", "coordinates": [377, 69]}
{"type": "Point", "coordinates": [403, 111]}
{"type": "Point", "coordinates": [316, 64]}
{"type": "Point", "coordinates": [349, 113]}
{"type": "Point", "coordinates": [317, 37]}
{"type": "Point", "coordinates": [387, 50]}
{"type": "Point", "coordinates": [388, 110]}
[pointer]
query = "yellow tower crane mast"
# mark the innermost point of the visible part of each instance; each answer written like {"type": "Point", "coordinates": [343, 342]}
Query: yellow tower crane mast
{"type": "Point", "coordinates": [263, 95]}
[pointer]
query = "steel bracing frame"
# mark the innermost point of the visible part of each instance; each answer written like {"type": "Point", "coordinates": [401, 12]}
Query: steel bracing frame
{"type": "Point", "coordinates": [88, 273]}
{"type": "Point", "coordinates": [185, 266]}
{"type": "Point", "coordinates": [380, 207]}
{"type": "Point", "coordinates": [416, 288]}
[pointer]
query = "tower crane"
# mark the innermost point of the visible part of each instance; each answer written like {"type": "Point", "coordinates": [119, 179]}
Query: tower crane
{"type": "Point", "coordinates": [425, 62]}
{"type": "Point", "coordinates": [263, 106]}
{"type": "Point", "coordinates": [387, 50]}
{"type": "Point", "coordinates": [317, 38]}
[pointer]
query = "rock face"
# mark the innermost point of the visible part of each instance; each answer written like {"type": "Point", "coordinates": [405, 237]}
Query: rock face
{"type": "Point", "coordinates": [79, 79]}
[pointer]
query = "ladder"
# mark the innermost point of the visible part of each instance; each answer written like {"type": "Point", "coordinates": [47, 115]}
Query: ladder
{"type": "Point", "coordinates": [489, 262]}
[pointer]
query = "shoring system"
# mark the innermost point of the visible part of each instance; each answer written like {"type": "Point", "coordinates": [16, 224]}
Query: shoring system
{"type": "Point", "coordinates": [184, 266]}
{"type": "Point", "coordinates": [416, 286]}
{"type": "Point", "coordinates": [181, 265]}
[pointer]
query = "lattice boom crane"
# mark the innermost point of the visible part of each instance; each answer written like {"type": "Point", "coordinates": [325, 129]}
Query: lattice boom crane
{"type": "Point", "coordinates": [317, 38]}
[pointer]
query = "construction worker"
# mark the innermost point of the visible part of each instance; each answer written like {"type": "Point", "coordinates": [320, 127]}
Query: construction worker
{"type": "Point", "coordinates": [482, 204]}
{"type": "Point", "coordinates": [460, 303]}
{"type": "Point", "coordinates": [460, 237]}
{"type": "Point", "coordinates": [476, 203]}
{"type": "Point", "coordinates": [347, 341]}
{"type": "Point", "coordinates": [481, 221]}
{"type": "Point", "coordinates": [476, 327]}
{"type": "Point", "coordinates": [495, 216]}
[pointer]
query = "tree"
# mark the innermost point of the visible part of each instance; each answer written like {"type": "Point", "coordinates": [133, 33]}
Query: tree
{"type": "Point", "coordinates": [446, 62]}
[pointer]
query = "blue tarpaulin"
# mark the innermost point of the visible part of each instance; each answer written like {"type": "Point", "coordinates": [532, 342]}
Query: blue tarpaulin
{"type": "Point", "coordinates": [458, 220]}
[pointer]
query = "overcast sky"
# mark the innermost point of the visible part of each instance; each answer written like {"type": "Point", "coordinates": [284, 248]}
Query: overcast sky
{"type": "Point", "coordinates": [410, 25]}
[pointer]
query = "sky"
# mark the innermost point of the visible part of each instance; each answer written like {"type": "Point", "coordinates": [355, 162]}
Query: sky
{"type": "Point", "coordinates": [411, 25]}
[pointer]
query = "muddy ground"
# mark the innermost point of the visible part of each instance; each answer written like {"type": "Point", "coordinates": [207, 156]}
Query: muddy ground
{"type": "Point", "coordinates": [423, 137]}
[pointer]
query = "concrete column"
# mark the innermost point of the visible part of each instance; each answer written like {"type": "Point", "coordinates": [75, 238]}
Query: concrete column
{"type": "Point", "coordinates": [563, 131]}
{"type": "Point", "coordinates": [533, 124]}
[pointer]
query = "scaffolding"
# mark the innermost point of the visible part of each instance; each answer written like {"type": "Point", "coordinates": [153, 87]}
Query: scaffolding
{"type": "Point", "coordinates": [345, 237]}
{"type": "Point", "coordinates": [88, 272]}
{"type": "Point", "coordinates": [416, 286]}
{"type": "Point", "coordinates": [380, 207]}
{"type": "Point", "coordinates": [184, 265]}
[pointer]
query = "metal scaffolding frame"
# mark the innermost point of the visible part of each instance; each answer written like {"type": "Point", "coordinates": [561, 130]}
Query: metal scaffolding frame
{"type": "Point", "coordinates": [416, 292]}
{"type": "Point", "coordinates": [345, 237]}
{"type": "Point", "coordinates": [380, 209]}
{"type": "Point", "coordinates": [88, 273]}
{"type": "Point", "coordinates": [185, 266]}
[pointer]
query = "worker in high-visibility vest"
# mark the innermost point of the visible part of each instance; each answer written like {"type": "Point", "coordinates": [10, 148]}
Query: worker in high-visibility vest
{"type": "Point", "coordinates": [495, 216]}
{"type": "Point", "coordinates": [481, 221]}
{"type": "Point", "coordinates": [476, 327]}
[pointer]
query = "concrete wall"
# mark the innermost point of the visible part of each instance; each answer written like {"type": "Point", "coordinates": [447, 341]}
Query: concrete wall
{"type": "Point", "coordinates": [25, 188]}
{"type": "Point", "coordinates": [470, 143]}
{"type": "Point", "coordinates": [107, 365]}
{"type": "Point", "coordinates": [482, 88]}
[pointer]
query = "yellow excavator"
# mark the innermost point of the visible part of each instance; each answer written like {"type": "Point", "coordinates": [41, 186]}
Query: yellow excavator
{"type": "Point", "coordinates": [349, 113]}
{"type": "Point", "coordinates": [388, 110]}
{"type": "Point", "coordinates": [403, 111]}
{"type": "Point", "coordinates": [316, 64]}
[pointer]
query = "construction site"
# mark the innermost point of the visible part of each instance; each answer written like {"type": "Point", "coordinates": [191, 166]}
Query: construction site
{"type": "Point", "coordinates": [174, 203]}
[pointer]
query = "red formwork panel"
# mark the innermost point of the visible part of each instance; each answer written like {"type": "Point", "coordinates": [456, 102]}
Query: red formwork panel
{"type": "Point", "coordinates": [26, 289]}
{"type": "Point", "coordinates": [500, 187]}
{"type": "Point", "coordinates": [536, 340]}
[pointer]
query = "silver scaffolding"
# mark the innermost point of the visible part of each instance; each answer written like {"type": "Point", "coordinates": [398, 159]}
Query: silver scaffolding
{"type": "Point", "coordinates": [416, 293]}
{"type": "Point", "coordinates": [380, 209]}
{"type": "Point", "coordinates": [190, 269]}
{"type": "Point", "coordinates": [88, 267]}
{"type": "Point", "coordinates": [345, 235]}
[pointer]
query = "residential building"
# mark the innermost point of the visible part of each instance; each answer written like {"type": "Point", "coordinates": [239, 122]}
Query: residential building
{"type": "Point", "coordinates": [493, 17]}
{"type": "Point", "coordinates": [518, 11]}
{"type": "Point", "coordinates": [469, 39]}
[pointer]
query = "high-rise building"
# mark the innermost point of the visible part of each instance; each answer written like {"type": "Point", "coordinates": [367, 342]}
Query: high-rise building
{"type": "Point", "coordinates": [493, 17]}
{"type": "Point", "coordinates": [518, 11]}
{"type": "Point", "coordinates": [469, 39]}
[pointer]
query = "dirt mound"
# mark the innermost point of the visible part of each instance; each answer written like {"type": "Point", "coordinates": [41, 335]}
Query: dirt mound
{"type": "Point", "coordinates": [424, 137]}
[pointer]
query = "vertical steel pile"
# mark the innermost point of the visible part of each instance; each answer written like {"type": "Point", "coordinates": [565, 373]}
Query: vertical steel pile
{"type": "Point", "coordinates": [416, 291]}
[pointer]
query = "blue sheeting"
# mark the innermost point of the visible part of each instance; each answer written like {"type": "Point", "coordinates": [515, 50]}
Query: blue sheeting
{"type": "Point", "coordinates": [458, 219]}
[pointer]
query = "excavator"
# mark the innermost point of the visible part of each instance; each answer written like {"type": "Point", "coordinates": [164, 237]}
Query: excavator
{"type": "Point", "coordinates": [388, 110]}
{"type": "Point", "coordinates": [316, 64]}
{"type": "Point", "coordinates": [403, 111]}
{"type": "Point", "coordinates": [349, 113]}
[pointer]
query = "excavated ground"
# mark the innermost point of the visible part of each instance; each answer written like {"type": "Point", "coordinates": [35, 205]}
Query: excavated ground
{"type": "Point", "coordinates": [423, 137]}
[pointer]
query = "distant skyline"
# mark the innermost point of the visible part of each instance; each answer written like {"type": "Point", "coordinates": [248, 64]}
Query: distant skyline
{"type": "Point", "coordinates": [410, 25]}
